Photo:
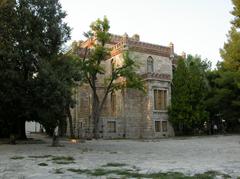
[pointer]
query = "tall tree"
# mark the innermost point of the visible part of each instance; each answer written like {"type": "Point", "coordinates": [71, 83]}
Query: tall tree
{"type": "Point", "coordinates": [189, 86]}
{"type": "Point", "coordinates": [36, 32]}
{"type": "Point", "coordinates": [53, 92]}
{"type": "Point", "coordinates": [227, 95]}
{"type": "Point", "coordinates": [10, 85]}
{"type": "Point", "coordinates": [121, 77]}
{"type": "Point", "coordinates": [230, 52]}
{"type": "Point", "coordinates": [223, 99]}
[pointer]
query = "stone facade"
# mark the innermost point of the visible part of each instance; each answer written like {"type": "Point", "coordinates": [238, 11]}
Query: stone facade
{"type": "Point", "coordinates": [130, 113]}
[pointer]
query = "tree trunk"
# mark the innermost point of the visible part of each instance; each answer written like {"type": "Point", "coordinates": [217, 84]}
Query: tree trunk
{"type": "Point", "coordinates": [12, 139]}
{"type": "Point", "coordinates": [22, 130]}
{"type": "Point", "coordinates": [95, 116]}
{"type": "Point", "coordinates": [12, 133]}
{"type": "Point", "coordinates": [62, 127]}
{"type": "Point", "coordinates": [70, 122]}
{"type": "Point", "coordinates": [95, 126]}
{"type": "Point", "coordinates": [55, 139]}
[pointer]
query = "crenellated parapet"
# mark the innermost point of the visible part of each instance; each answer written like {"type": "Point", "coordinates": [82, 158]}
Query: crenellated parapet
{"type": "Point", "coordinates": [119, 43]}
{"type": "Point", "coordinates": [133, 44]}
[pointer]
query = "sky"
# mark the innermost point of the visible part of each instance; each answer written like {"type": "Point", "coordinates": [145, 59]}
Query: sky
{"type": "Point", "coordinates": [193, 26]}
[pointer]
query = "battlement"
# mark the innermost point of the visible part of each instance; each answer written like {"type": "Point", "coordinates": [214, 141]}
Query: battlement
{"type": "Point", "coordinates": [134, 44]}
{"type": "Point", "coordinates": [120, 43]}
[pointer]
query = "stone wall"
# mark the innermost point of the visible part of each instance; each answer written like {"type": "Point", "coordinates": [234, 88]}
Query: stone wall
{"type": "Point", "coordinates": [134, 115]}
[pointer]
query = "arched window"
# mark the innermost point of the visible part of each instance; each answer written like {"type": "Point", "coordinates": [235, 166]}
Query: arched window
{"type": "Point", "coordinates": [150, 64]}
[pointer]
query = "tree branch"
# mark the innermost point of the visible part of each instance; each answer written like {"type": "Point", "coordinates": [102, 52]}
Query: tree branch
{"type": "Point", "coordinates": [106, 93]}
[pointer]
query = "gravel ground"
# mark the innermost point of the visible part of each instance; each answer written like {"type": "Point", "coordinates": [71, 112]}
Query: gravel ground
{"type": "Point", "coordinates": [188, 155]}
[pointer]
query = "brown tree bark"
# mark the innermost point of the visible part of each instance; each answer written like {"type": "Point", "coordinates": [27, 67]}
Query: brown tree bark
{"type": "Point", "coordinates": [70, 122]}
{"type": "Point", "coordinates": [95, 115]}
{"type": "Point", "coordinates": [97, 106]}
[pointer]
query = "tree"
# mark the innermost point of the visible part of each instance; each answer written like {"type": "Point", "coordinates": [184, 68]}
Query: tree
{"type": "Point", "coordinates": [223, 100]}
{"type": "Point", "coordinates": [53, 92]}
{"type": "Point", "coordinates": [189, 88]}
{"type": "Point", "coordinates": [10, 81]}
{"type": "Point", "coordinates": [31, 31]}
{"type": "Point", "coordinates": [93, 69]}
{"type": "Point", "coordinates": [227, 83]}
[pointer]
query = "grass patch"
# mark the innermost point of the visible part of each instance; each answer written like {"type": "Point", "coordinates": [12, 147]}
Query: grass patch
{"type": "Point", "coordinates": [211, 174]}
{"type": "Point", "coordinates": [102, 172]}
{"type": "Point", "coordinates": [113, 152]}
{"type": "Point", "coordinates": [17, 158]}
{"type": "Point", "coordinates": [58, 171]}
{"type": "Point", "coordinates": [167, 175]}
{"type": "Point", "coordinates": [80, 171]}
{"type": "Point", "coordinates": [64, 162]}
{"type": "Point", "coordinates": [63, 158]}
{"type": "Point", "coordinates": [40, 156]}
{"type": "Point", "coordinates": [129, 173]}
{"type": "Point", "coordinates": [115, 165]}
{"type": "Point", "coordinates": [43, 164]}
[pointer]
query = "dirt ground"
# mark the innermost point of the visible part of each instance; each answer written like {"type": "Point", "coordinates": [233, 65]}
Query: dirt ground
{"type": "Point", "coordinates": [189, 156]}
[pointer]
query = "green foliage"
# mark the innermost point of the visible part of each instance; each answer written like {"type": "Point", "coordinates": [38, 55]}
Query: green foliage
{"type": "Point", "coordinates": [94, 67]}
{"type": "Point", "coordinates": [10, 85]}
{"type": "Point", "coordinates": [189, 88]}
{"type": "Point", "coordinates": [236, 13]}
{"type": "Point", "coordinates": [226, 79]}
{"type": "Point", "coordinates": [224, 98]}
{"type": "Point", "coordinates": [31, 33]}
{"type": "Point", "coordinates": [230, 52]}
{"type": "Point", "coordinates": [53, 90]}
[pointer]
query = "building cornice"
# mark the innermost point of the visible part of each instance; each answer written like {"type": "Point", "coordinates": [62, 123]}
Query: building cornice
{"type": "Point", "coordinates": [120, 43]}
{"type": "Point", "coordinates": [156, 76]}
{"type": "Point", "coordinates": [142, 47]}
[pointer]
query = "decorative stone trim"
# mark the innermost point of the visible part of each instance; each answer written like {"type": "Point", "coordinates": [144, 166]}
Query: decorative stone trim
{"type": "Point", "coordinates": [142, 47]}
{"type": "Point", "coordinates": [157, 76]}
{"type": "Point", "coordinates": [121, 43]}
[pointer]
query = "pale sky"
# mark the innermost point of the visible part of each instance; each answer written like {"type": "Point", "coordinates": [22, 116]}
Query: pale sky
{"type": "Point", "coordinates": [194, 26]}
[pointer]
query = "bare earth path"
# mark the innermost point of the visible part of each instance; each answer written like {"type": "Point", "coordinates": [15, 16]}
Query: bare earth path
{"type": "Point", "coordinates": [190, 156]}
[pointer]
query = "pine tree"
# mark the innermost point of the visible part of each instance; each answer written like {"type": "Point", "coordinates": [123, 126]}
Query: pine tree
{"type": "Point", "coordinates": [227, 95]}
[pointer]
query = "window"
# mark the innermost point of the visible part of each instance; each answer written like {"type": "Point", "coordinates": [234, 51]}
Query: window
{"type": "Point", "coordinates": [113, 103]}
{"type": "Point", "coordinates": [157, 126]}
{"type": "Point", "coordinates": [160, 99]}
{"type": "Point", "coordinates": [150, 65]}
{"type": "Point", "coordinates": [164, 126]}
{"type": "Point", "coordinates": [111, 125]}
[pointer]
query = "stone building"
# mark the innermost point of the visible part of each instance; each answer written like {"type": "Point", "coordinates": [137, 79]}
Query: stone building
{"type": "Point", "coordinates": [130, 113]}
